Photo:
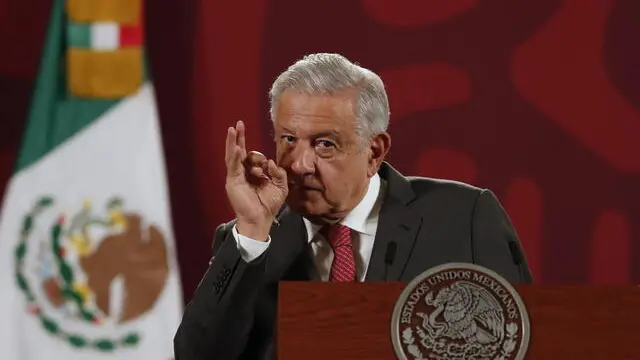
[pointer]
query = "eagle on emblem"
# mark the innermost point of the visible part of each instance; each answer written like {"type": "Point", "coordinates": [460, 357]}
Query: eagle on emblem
{"type": "Point", "coordinates": [470, 312]}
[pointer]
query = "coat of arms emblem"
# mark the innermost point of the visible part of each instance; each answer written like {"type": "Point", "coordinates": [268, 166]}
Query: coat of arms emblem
{"type": "Point", "coordinates": [460, 311]}
{"type": "Point", "coordinates": [67, 271]}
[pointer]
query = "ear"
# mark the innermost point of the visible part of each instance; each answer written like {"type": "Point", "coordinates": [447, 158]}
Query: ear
{"type": "Point", "coordinates": [379, 148]}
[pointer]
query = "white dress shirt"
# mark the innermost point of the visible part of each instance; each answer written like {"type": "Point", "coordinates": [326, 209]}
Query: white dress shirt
{"type": "Point", "coordinates": [362, 220]}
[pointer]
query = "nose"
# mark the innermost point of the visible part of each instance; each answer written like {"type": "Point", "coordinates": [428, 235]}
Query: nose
{"type": "Point", "coordinates": [304, 159]}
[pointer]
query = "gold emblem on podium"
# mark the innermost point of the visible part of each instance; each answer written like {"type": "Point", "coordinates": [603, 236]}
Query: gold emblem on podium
{"type": "Point", "coordinates": [460, 311]}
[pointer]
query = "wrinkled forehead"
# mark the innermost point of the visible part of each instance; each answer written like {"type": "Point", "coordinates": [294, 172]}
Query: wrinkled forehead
{"type": "Point", "coordinates": [313, 112]}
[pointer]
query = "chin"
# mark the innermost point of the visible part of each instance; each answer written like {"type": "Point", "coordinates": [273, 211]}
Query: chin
{"type": "Point", "coordinates": [307, 206]}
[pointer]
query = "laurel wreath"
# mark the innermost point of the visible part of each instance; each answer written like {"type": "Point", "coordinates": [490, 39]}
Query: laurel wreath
{"type": "Point", "coordinates": [67, 275]}
{"type": "Point", "coordinates": [510, 343]}
{"type": "Point", "coordinates": [412, 348]}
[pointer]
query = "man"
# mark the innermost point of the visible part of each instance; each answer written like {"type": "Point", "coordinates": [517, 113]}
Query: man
{"type": "Point", "coordinates": [349, 216]}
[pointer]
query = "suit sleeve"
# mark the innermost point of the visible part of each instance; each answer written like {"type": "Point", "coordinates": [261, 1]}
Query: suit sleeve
{"type": "Point", "coordinates": [218, 320]}
{"type": "Point", "coordinates": [496, 245]}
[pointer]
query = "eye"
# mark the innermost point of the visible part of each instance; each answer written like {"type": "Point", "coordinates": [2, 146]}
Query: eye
{"type": "Point", "coordinates": [325, 144]}
{"type": "Point", "coordinates": [288, 138]}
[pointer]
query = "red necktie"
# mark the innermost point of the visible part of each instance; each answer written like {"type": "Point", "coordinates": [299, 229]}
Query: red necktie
{"type": "Point", "coordinates": [343, 267]}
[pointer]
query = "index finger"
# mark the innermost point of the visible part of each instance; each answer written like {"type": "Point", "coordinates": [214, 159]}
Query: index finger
{"type": "Point", "coordinates": [255, 158]}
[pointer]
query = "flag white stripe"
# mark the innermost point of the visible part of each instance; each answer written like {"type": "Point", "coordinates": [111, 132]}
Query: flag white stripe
{"type": "Point", "coordinates": [105, 36]}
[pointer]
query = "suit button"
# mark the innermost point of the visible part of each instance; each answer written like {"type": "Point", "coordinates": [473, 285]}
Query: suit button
{"type": "Point", "coordinates": [227, 271]}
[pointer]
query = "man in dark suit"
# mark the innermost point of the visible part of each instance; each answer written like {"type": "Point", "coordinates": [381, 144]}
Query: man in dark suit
{"type": "Point", "coordinates": [330, 209]}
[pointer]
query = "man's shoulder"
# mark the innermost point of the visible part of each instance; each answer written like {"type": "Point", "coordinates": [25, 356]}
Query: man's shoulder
{"type": "Point", "coordinates": [417, 188]}
{"type": "Point", "coordinates": [435, 187]}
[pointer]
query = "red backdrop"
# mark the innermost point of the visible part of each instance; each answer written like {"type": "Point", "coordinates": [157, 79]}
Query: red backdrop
{"type": "Point", "coordinates": [537, 100]}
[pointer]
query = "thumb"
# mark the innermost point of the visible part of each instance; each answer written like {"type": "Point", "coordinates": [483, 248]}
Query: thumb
{"type": "Point", "coordinates": [277, 174]}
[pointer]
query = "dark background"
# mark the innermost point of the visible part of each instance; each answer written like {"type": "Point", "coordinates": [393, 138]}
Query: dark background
{"type": "Point", "coordinates": [537, 100]}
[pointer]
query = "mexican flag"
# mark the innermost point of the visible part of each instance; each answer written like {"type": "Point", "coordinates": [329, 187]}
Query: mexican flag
{"type": "Point", "coordinates": [87, 257]}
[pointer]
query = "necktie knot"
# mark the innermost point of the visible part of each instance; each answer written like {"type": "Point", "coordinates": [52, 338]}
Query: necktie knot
{"type": "Point", "coordinates": [337, 235]}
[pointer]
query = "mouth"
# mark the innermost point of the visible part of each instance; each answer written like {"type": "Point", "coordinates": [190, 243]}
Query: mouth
{"type": "Point", "coordinates": [303, 187]}
{"type": "Point", "coordinates": [309, 188]}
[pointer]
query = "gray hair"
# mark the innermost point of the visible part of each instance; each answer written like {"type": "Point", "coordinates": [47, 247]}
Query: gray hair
{"type": "Point", "coordinates": [326, 73]}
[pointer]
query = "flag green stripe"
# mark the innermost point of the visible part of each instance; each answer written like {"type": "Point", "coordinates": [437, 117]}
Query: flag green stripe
{"type": "Point", "coordinates": [54, 115]}
{"type": "Point", "coordinates": [79, 35]}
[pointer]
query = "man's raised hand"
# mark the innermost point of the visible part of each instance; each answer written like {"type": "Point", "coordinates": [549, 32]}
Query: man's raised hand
{"type": "Point", "coordinates": [256, 187]}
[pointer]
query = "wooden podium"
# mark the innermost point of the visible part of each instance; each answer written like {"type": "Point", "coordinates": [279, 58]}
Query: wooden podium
{"type": "Point", "coordinates": [353, 321]}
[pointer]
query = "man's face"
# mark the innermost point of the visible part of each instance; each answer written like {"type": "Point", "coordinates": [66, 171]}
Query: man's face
{"type": "Point", "coordinates": [328, 165]}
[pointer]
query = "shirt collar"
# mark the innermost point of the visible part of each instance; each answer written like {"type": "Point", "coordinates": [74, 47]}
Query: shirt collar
{"type": "Point", "coordinates": [362, 218]}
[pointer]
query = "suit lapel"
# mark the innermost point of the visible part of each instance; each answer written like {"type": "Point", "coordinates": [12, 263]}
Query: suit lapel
{"type": "Point", "coordinates": [397, 224]}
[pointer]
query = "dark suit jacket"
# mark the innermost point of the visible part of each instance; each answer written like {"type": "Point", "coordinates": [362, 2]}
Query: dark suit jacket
{"type": "Point", "coordinates": [233, 312]}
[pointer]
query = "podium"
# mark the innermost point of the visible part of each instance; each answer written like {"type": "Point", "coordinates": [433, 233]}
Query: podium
{"type": "Point", "coordinates": [319, 320]}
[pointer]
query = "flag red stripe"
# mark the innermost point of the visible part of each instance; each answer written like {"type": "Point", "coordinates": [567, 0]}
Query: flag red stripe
{"type": "Point", "coordinates": [132, 35]}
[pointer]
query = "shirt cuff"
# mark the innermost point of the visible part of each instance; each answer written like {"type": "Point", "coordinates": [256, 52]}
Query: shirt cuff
{"type": "Point", "coordinates": [249, 248]}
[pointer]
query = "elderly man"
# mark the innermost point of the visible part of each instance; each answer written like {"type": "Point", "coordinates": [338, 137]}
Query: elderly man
{"type": "Point", "coordinates": [329, 208]}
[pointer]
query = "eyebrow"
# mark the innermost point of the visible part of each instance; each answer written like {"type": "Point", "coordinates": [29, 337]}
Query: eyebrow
{"type": "Point", "coordinates": [330, 133]}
